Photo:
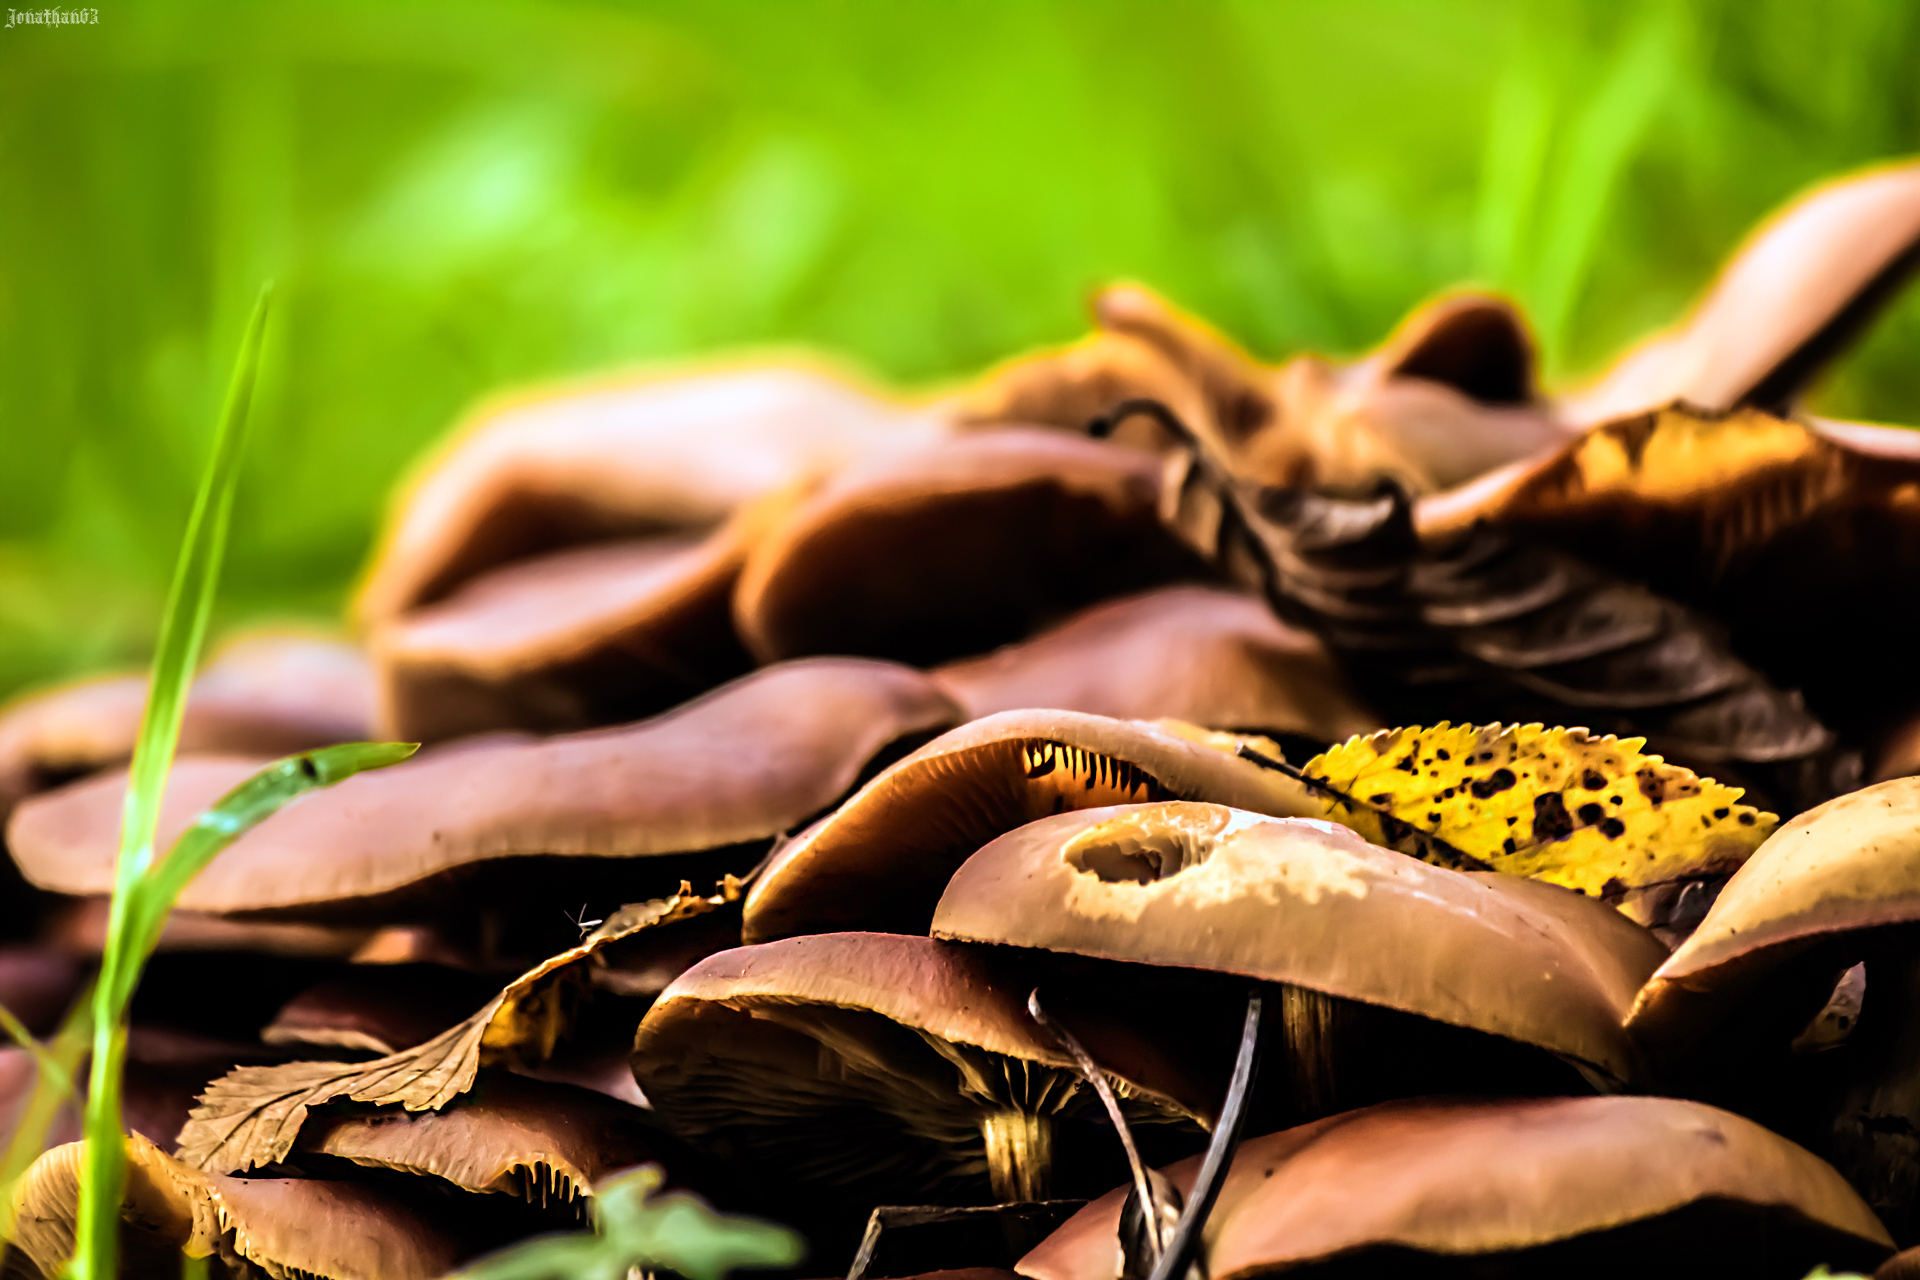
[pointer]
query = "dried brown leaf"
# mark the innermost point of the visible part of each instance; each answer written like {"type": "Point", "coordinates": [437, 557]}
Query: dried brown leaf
{"type": "Point", "coordinates": [252, 1116]}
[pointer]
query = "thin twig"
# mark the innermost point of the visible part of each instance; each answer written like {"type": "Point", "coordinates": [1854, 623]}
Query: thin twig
{"type": "Point", "coordinates": [1226, 1135]}
{"type": "Point", "coordinates": [1097, 1078]}
{"type": "Point", "coordinates": [1459, 858]}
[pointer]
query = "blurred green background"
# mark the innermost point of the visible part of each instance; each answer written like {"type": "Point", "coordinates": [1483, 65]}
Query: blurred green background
{"type": "Point", "coordinates": [456, 197]}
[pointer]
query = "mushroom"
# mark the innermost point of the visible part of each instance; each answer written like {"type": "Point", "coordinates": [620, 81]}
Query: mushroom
{"type": "Point", "coordinates": [1554, 1186]}
{"type": "Point", "coordinates": [378, 1009]}
{"type": "Point", "coordinates": [845, 1070]}
{"type": "Point", "coordinates": [1449, 394]}
{"type": "Point", "coordinates": [1731, 514]}
{"type": "Point", "coordinates": [618, 459]}
{"type": "Point", "coordinates": [881, 859]}
{"type": "Point", "coordinates": [315, 1228]}
{"type": "Point", "coordinates": [1789, 299]}
{"type": "Point", "coordinates": [1789, 922]}
{"type": "Point", "coordinates": [571, 639]}
{"type": "Point", "coordinates": [1201, 654]}
{"type": "Point", "coordinates": [269, 693]}
{"type": "Point", "coordinates": [544, 1143]}
{"type": "Point", "coordinates": [78, 927]}
{"type": "Point", "coordinates": [956, 546]}
{"type": "Point", "coordinates": [1311, 905]}
{"type": "Point", "coordinates": [700, 788]}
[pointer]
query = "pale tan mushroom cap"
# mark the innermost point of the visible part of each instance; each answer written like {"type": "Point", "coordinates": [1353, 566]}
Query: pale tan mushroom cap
{"type": "Point", "coordinates": [1201, 654]}
{"type": "Point", "coordinates": [1796, 276]}
{"type": "Point", "coordinates": [744, 763]}
{"type": "Point", "coordinates": [288, 1226]}
{"type": "Point", "coordinates": [1851, 864]}
{"type": "Point", "coordinates": [1310, 903]}
{"type": "Point", "coordinates": [615, 459]}
{"type": "Point", "coordinates": [882, 858]}
{"type": "Point", "coordinates": [1476, 1178]}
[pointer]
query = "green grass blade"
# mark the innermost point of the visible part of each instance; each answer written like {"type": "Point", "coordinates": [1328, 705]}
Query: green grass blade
{"type": "Point", "coordinates": [183, 628]}
{"type": "Point", "coordinates": [52, 1086]}
{"type": "Point", "coordinates": [244, 807]}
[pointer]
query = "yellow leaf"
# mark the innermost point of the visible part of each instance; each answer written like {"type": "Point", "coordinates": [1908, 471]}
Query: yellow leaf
{"type": "Point", "coordinates": [1593, 814]}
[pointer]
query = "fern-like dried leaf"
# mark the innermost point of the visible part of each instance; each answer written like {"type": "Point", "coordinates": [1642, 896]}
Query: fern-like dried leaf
{"type": "Point", "coordinates": [252, 1116]}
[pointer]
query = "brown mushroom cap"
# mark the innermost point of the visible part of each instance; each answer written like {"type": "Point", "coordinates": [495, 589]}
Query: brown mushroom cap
{"type": "Point", "coordinates": [1449, 395]}
{"type": "Point", "coordinates": [1311, 904]}
{"type": "Point", "coordinates": [887, 1069]}
{"type": "Point", "coordinates": [1475, 1180]}
{"type": "Point", "coordinates": [541, 1142]}
{"type": "Point", "coordinates": [1791, 297]}
{"type": "Point", "coordinates": [1848, 866]}
{"type": "Point", "coordinates": [956, 546]}
{"type": "Point", "coordinates": [882, 858]}
{"type": "Point", "coordinates": [268, 693]}
{"type": "Point", "coordinates": [618, 459]}
{"type": "Point", "coordinates": [572, 639]}
{"type": "Point", "coordinates": [379, 1008]}
{"type": "Point", "coordinates": [1205, 655]}
{"type": "Point", "coordinates": [78, 927]}
{"type": "Point", "coordinates": [742, 764]}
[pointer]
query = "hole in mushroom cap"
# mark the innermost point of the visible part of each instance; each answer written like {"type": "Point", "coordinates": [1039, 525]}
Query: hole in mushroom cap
{"type": "Point", "coordinates": [1146, 845]}
{"type": "Point", "coordinates": [1153, 844]}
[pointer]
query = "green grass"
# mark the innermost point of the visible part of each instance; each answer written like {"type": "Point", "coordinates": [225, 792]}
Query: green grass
{"type": "Point", "coordinates": [456, 197]}
{"type": "Point", "coordinates": [145, 888]}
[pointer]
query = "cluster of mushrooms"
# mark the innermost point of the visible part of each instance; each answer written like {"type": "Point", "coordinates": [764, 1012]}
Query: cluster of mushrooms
{"type": "Point", "coordinates": [897, 820]}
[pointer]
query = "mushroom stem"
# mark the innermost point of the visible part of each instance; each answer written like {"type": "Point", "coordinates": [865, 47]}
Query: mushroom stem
{"type": "Point", "coordinates": [1019, 1155]}
{"type": "Point", "coordinates": [1306, 1022]}
{"type": "Point", "coordinates": [1150, 1207]}
{"type": "Point", "coordinates": [1226, 1135]}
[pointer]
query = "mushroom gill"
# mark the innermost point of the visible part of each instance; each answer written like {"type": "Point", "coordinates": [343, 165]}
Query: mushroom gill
{"type": "Point", "coordinates": [845, 1070]}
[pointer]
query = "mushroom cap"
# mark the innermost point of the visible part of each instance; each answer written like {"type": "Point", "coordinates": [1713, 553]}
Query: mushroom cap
{"type": "Point", "coordinates": [869, 1060]}
{"type": "Point", "coordinates": [544, 1142]}
{"type": "Point", "coordinates": [881, 859]}
{"type": "Point", "coordinates": [78, 927]}
{"type": "Point", "coordinates": [1449, 395]}
{"type": "Point", "coordinates": [270, 693]}
{"type": "Point", "coordinates": [334, 1230]}
{"type": "Point", "coordinates": [287, 1226]}
{"type": "Point", "coordinates": [1790, 297]}
{"type": "Point", "coordinates": [1201, 654]}
{"type": "Point", "coordinates": [379, 1008]}
{"type": "Point", "coordinates": [956, 546]}
{"type": "Point", "coordinates": [744, 763]}
{"type": "Point", "coordinates": [1476, 1178]}
{"type": "Point", "coordinates": [614, 459]}
{"type": "Point", "coordinates": [571, 639]}
{"type": "Point", "coordinates": [1309, 903]}
{"type": "Point", "coordinates": [1850, 865]}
